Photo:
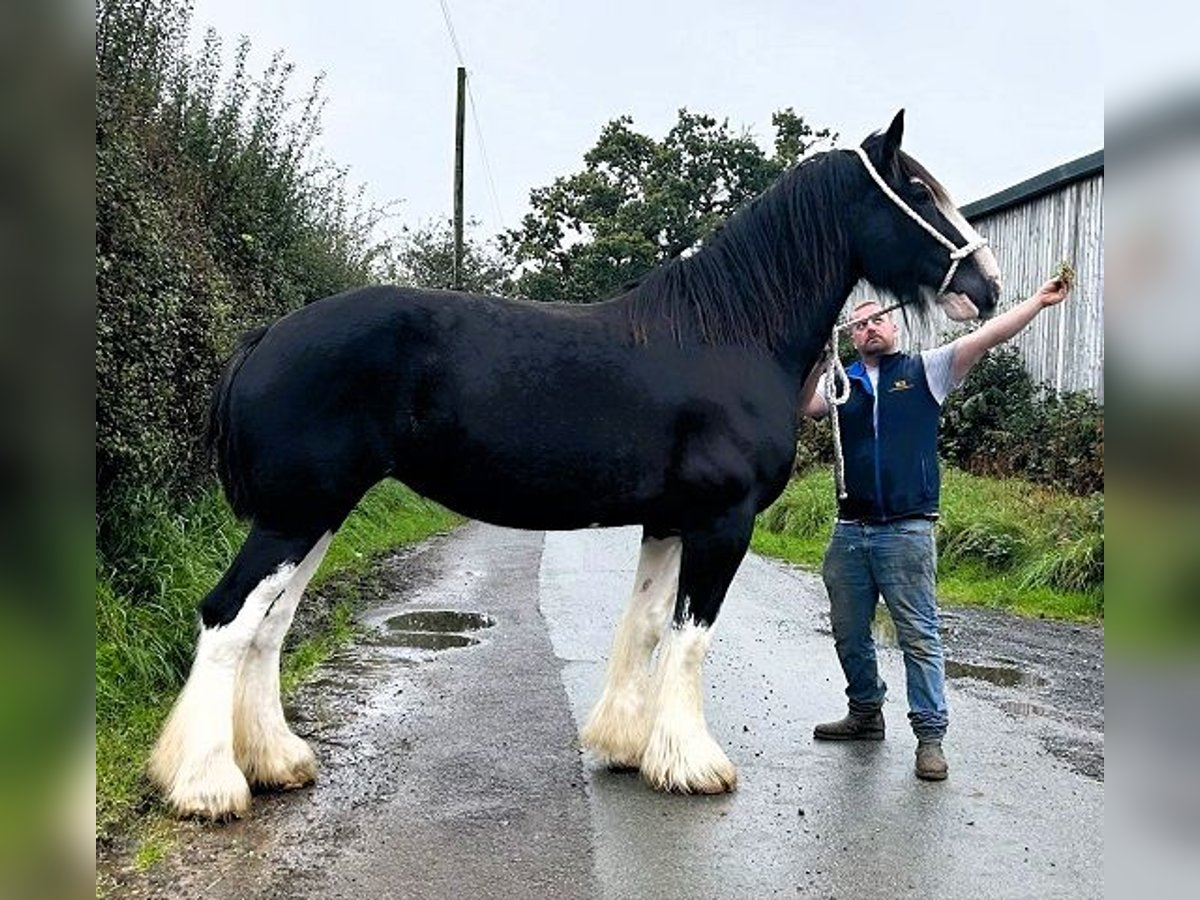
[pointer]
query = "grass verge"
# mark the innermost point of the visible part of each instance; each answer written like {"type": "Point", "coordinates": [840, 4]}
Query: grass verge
{"type": "Point", "coordinates": [146, 624]}
{"type": "Point", "coordinates": [1002, 543]}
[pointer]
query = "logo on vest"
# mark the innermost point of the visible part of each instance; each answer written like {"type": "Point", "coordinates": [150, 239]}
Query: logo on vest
{"type": "Point", "coordinates": [900, 384]}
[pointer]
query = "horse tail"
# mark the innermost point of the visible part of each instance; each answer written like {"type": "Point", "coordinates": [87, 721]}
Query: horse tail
{"type": "Point", "coordinates": [219, 439]}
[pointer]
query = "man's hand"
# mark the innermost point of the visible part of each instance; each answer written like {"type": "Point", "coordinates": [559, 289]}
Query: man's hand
{"type": "Point", "coordinates": [812, 401]}
{"type": "Point", "coordinates": [1052, 292]}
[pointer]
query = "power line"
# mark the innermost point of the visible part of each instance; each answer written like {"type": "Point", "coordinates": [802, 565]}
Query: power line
{"type": "Point", "coordinates": [453, 36]}
{"type": "Point", "coordinates": [487, 168]}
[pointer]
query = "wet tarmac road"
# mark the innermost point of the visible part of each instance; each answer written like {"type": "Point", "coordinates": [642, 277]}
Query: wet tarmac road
{"type": "Point", "coordinates": [450, 764]}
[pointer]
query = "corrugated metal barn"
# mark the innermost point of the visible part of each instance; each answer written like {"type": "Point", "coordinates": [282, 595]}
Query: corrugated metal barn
{"type": "Point", "coordinates": [1032, 226]}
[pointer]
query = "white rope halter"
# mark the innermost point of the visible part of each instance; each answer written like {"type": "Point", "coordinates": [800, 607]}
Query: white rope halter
{"type": "Point", "coordinates": [834, 370]}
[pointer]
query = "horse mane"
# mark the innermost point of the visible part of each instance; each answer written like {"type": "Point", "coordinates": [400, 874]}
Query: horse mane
{"type": "Point", "coordinates": [756, 275]}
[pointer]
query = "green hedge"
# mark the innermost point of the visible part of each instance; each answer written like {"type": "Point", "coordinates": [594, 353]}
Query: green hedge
{"type": "Point", "coordinates": [210, 218]}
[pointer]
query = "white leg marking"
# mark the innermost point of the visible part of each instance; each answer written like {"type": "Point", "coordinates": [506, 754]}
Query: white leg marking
{"type": "Point", "coordinates": [193, 762]}
{"type": "Point", "coordinates": [681, 755]}
{"type": "Point", "coordinates": [619, 726]}
{"type": "Point", "coordinates": [266, 750]}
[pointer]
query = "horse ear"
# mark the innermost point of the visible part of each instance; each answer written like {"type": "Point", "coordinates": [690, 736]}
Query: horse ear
{"type": "Point", "coordinates": [884, 148]}
{"type": "Point", "coordinates": [891, 140]}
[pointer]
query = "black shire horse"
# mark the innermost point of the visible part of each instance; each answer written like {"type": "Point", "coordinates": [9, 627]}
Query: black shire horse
{"type": "Point", "coordinates": [673, 406]}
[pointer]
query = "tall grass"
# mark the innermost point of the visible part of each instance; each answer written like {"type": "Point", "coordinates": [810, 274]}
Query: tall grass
{"type": "Point", "coordinates": [146, 619]}
{"type": "Point", "coordinates": [1001, 542]}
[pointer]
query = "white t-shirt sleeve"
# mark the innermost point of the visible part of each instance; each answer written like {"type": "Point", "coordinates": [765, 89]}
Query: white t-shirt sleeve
{"type": "Point", "coordinates": [939, 371]}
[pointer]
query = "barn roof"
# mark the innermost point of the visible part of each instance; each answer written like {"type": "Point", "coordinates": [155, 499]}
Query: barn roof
{"type": "Point", "coordinates": [1050, 180]}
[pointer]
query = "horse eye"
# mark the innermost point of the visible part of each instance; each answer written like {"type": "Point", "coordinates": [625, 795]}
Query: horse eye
{"type": "Point", "coordinates": [924, 192]}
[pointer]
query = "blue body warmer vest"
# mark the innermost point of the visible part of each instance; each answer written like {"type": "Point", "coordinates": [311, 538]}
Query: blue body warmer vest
{"type": "Point", "coordinates": [892, 474]}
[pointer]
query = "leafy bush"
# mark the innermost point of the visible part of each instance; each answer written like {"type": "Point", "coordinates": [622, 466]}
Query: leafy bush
{"type": "Point", "coordinates": [209, 219]}
{"type": "Point", "coordinates": [1000, 423]}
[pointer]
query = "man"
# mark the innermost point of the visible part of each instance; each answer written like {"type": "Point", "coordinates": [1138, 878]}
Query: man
{"type": "Point", "coordinates": [883, 542]}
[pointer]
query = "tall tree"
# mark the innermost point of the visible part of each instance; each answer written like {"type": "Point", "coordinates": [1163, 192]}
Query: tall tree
{"type": "Point", "coordinates": [639, 202]}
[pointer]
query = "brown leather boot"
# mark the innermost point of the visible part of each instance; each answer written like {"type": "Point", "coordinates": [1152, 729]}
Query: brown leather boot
{"type": "Point", "coordinates": [852, 728]}
{"type": "Point", "coordinates": [931, 762]}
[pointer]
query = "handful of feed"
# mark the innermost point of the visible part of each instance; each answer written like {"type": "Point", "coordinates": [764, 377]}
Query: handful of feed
{"type": "Point", "coordinates": [1065, 274]}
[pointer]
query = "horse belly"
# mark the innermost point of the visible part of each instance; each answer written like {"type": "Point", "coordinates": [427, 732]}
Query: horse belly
{"type": "Point", "coordinates": [524, 464]}
{"type": "Point", "coordinates": [534, 486]}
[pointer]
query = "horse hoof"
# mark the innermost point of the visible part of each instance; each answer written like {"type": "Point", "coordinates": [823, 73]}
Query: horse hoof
{"type": "Point", "coordinates": [218, 795]}
{"type": "Point", "coordinates": [616, 734]}
{"type": "Point", "coordinates": [712, 781]}
{"type": "Point", "coordinates": [701, 768]}
{"type": "Point", "coordinates": [289, 765]}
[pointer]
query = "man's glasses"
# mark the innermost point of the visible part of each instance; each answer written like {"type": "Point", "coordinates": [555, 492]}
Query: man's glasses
{"type": "Point", "coordinates": [876, 320]}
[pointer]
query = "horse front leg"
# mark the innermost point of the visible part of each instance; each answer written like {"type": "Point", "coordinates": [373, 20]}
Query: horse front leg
{"type": "Point", "coordinates": [681, 755]}
{"type": "Point", "coordinates": [619, 726]}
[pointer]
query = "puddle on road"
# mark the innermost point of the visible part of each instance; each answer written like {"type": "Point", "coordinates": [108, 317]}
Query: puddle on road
{"type": "Point", "coordinates": [884, 632]}
{"type": "Point", "coordinates": [1022, 710]}
{"type": "Point", "coordinates": [440, 621]}
{"type": "Point", "coordinates": [432, 629]}
{"type": "Point", "coordinates": [425, 640]}
{"type": "Point", "coordinates": [1005, 676]}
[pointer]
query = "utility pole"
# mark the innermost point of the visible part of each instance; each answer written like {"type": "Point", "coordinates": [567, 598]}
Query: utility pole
{"type": "Point", "coordinates": [458, 178]}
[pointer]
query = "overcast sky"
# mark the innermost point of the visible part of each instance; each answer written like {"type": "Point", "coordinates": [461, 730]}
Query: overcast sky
{"type": "Point", "coordinates": [995, 93]}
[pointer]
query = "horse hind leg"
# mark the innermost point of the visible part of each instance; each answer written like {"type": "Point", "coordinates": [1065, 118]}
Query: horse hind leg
{"type": "Point", "coordinates": [269, 754]}
{"type": "Point", "coordinates": [619, 726]}
{"type": "Point", "coordinates": [680, 754]}
{"type": "Point", "coordinates": [193, 761]}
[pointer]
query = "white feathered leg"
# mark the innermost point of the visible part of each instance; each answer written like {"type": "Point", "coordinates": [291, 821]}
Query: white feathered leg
{"type": "Point", "coordinates": [266, 750]}
{"type": "Point", "coordinates": [193, 762]}
{"type": "Point", "coordinates": [681, 755]}
{"type": "Point", "coordinates": [619, 725]}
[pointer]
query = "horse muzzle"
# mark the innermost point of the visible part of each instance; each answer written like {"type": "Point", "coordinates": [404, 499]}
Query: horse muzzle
{"type": "Point", "coordinates": [958, 306]}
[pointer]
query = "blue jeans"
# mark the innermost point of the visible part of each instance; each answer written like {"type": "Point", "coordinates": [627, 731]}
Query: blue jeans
{"type": "Point", "coordinates": [899, 561]}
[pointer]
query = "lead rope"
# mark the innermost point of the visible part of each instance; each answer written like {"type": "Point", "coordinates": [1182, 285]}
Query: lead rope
{"type": "Point", "coordinates": [833, 399]}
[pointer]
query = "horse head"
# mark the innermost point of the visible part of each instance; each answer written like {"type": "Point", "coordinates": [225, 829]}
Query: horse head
{"type": "Point", "coordinates": [903, 256]}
